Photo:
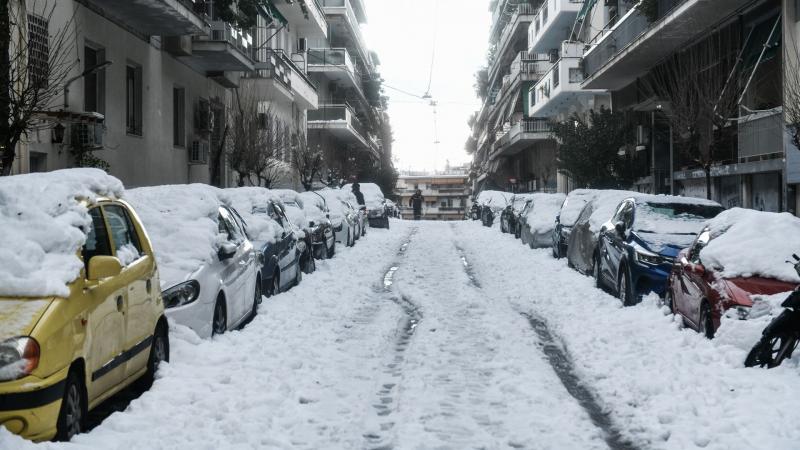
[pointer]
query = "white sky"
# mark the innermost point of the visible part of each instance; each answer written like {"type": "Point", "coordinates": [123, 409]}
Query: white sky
{"type": "Point", "coordinates": [402, 32]}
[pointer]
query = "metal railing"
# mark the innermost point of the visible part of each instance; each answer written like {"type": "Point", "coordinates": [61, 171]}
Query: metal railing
{"type": "Point", "coordinates": [622, 35]}
{"type": "Point", "coordinates": [338, 113]}
{"type": "Point", "coordinates": [351, 19]}
{"type": "Point", "coordinates": [224, 32]}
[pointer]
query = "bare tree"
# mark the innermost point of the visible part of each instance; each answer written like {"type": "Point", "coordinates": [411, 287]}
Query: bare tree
{"type": "Point", "coordinates": [791, 101]}
{"type": "Point", "coordinates": [257, 141]}
{"type": "Point", "coordinates": [701, 86]}
{"type": "Point", "coordinates": [307, 161]}
{"type": "Point", "coordinates": [34, 66]}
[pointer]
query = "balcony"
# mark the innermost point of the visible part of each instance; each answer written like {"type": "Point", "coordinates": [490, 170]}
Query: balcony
{"type": "Point", "coordinates": [634, 45]}
{"type": "Point", "coordinates": [552, 24]}
{"type": "Point", "coordinates": [560, 87]}
{"type": "Point", "coordinates": [306, 16]}
{"type": "Point", "coordinates": [513, 36]}
{"type": "Point", "coordinates": [520, 136]}
{"type": "Point", "coordinates": [278, 74]}
{"type": "Point", "coordinates": [153, 17]}
{"type": "Point", "coordinates": [224, 49]}
{"type": "Point", "coordinates": [523, 69]}
{"type": "Point", "coordinates": [341, 122]}
{"type": "Point", "coordinates": [337, 66]}
{"type": "Point", "coordinates": [345, 18]}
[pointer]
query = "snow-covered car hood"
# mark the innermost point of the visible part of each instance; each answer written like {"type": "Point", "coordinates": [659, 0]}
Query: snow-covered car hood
{"type": "Point", "coordinates": [667, 245]}
{"type": "Point", "coordinates": [19, 316]}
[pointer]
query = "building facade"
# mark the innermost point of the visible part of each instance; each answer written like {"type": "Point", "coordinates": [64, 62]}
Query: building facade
{"type": "Point", "coordinates": [446, 195]}
{"type": "Point", "coordinates": [605, 54]}
{"type": "Point", "coordinates": [153, 85]}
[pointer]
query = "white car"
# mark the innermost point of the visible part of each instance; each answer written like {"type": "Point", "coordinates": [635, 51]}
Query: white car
{"type": "Point", "coordinates": [376, 206]}
{"type": "Point", "coordinates": [343, 217]}
{"type": "Point", "coordinates": [210, 271]}
{"type": "Point", "coordinates": [318, 221]}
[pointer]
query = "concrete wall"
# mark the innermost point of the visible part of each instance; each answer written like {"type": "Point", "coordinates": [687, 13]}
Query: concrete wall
{"type": "Point", "coordinates": [137, 160]}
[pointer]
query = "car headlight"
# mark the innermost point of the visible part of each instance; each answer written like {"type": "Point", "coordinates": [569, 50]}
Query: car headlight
{"type": "Point", "coordinates": [19, 357]}
{"type": "Point", "coordinates": [646, 257]}
{"type": "Point", "coordinates": [181, 294]}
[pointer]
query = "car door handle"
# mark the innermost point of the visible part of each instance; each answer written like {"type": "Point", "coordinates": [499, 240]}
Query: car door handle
{"type": "Point", "coordinates": [120, 305]}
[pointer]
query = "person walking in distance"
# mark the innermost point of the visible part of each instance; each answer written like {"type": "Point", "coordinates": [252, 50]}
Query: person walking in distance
{"type": "Point", "coordinates": [416, 202]}
{"type": "Point", "coordinates": [359, 195]}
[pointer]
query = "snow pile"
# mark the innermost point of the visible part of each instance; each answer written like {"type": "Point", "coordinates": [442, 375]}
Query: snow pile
{"type": "Point", "coordinates": [44, 227]}
{"type": "Point", "coordinates": [666, 214]}
{"type": "Point", "coordinates": [181, 221]}
{"type": "Point", "coordinates": [604, 205]}
{"type": "Point", "coordinates": [373, 195]}
{"type": "Point", "coordinates": [333, 200]}
{"type": "Point", "coordinates": [542, 217]}
{"type": "Point", "coordinates": [495, 199]}
{"type": "Point", "coordinates": [313, 206]}
{"type": "Point", "coordinates": [743, 334]}
{"type": "Point", "coordinates": [251, 203]}
{"type": "Point", "coordinates": [747, 243]}
{"type": "Point", "coordinates": [573, 205]}
{"type": "Point", "coordinates": [293, 206]}
{"type": "Point", "coordinates": [519, 200]}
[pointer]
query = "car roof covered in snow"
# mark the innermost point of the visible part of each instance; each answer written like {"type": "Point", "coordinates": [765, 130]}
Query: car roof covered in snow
{"type": "Point", "coordinates": [373, 195]}
{"type": "Point", "coordinates": [747, 243]}
{"type": "Point", "coordinates": [573, 204]}
{"type": "Point", "coordinates": [602, 206]}
{"type": "Point", "coordinates": [45, 223]}
{"type": "Point", "coordinates": [494, 198]}
{"type": "Point", "coordinates": [250, 202]}
{"type": "Point", "coordinates": [542, 215]}
{"type": "Point", "coordinates": [181, 221]}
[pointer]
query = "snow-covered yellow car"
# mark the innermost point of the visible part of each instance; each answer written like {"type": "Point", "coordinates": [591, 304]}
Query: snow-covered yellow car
{"type": "Point", "coordinates": [81, 312]}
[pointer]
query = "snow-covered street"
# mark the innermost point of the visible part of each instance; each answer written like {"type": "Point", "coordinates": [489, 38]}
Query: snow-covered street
{"type": "Point", "coordinates": [437, 335]}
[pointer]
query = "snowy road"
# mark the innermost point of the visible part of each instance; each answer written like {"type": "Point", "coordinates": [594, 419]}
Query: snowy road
{"type": "Point", "coordinates": [437, 335]}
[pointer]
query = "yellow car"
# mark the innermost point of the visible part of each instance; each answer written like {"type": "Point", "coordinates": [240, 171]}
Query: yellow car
{"type": "Point", "coordinates": [62, 355]}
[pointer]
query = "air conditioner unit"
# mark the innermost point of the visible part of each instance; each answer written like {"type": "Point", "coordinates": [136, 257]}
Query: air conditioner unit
{"type": "Point", "coordinates": [302, 45]}
{"type": "Point", "coordinates": [87, 135]}
{"type": "Point", "coordinates": [198, 152]}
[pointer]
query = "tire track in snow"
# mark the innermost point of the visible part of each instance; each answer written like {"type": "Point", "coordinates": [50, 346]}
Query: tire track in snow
{"type": "Point", "coordinates": [386, 402]}
{"type": "Point", "coordinates": [562, 365]}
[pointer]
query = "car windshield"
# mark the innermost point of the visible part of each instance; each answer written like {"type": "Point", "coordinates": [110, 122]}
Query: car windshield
{"type": "Point", "coordinates": [673, 218]}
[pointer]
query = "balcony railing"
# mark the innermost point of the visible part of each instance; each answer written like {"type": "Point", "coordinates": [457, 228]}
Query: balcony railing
{"type": "Point", "coordinates": [346, 8]}
{"type": "Point", "coordinates": [337, 57]}
{"type": "Point", "coordinates": [338, 113]}
{"type": "Point", "coordinates": [224, 32]}
{"type": "Point", "coordinates": [509, 30]}
{"type": "Point", "coordinates": [625, 32]}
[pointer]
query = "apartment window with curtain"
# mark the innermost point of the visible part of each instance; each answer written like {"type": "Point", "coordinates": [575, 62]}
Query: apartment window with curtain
{"type": "Point", "coordinates": [179, 117]}
{"type": "Point", "coordinates": [94, 84]}
{"type": "Point", "coordinates": [133, 99]}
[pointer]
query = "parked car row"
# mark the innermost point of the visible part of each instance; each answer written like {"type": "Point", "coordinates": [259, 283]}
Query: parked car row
{"type": "Point", "coordinates": [90, 272]}
{"type": "Point", "coordinates": [701, 260]}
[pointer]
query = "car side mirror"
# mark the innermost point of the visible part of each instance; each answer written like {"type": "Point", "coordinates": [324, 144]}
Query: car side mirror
{"type": "Point", "coordinates": [620, 227]}
{"type": "Point", "coordinates": [101, 267]}
{"type": "Point", "coordinates": [226, 251]}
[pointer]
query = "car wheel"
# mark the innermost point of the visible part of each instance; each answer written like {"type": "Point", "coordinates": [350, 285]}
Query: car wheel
{"type": "Point", "coordinates": [256, 300]}
{"type": "Point", "coordinates": [706, 321]}
{"type": "Point", "coordinates": [275, 284]}
{"type": "Point", "coordinates": [624, 288]}
{"type": "Point", "coordinates": [298, 273]}
{"type": "Point", "coordinates": [669, 300]}
{"type": "Point", "coordinates": [159, 351]}
{"type": "Point", "coordinates": [598, 282]}
{"type": "Point", "coordinates": [72, 415]}
{"type": "Point", "coordinates": [219, 324]}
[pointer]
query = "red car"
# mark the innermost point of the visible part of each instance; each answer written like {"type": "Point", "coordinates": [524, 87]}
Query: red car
{"type": "Point", "coordinates": [701, 296]}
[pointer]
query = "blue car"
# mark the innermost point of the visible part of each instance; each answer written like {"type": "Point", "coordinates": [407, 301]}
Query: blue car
{"type": "Point", "coordinates": [637, 247]}
{"type": "Point", "coordinates": [281, 257]}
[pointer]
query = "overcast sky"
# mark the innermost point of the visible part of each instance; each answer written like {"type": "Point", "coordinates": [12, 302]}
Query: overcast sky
{"type": "Point", "coordinates": [403, 32]}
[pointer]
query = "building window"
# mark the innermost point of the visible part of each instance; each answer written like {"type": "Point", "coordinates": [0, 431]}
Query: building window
{"type": "Point", "coordinates": [179, 117]}
{"type": "Point", "coordinates": [133, 99]}
{"type": "Point", "coordinates": [38, 50]}
{"type": "Point", "coordinates": [94, 84]}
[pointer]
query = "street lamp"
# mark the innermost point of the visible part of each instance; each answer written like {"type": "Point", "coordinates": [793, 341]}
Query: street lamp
{"type": "Point", "coordinates": [58, 134]}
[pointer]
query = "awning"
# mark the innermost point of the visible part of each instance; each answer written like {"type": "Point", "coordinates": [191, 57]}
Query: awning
{"type": "Point", "coordinates": [587, 6]}
{"type": "Point", "coordinates": [270, 12]}
{"type": "Point", "coordinates": [761, 37]}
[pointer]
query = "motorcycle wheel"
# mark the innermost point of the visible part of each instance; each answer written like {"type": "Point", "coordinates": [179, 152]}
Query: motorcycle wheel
{"type": "Point", "coordinates": [771, 350]}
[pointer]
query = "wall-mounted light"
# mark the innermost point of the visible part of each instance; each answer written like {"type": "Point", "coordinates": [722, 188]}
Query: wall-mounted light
{"type": "Point", "coordinates": [58, 134]}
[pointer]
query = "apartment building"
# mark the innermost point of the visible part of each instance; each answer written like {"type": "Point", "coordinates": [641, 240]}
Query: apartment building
{"type": "Point", "coordinates": [446, 194]}
{"type": "Point", "coordinates": [347, 125]}
{"type": "Point", "coordinates": [153, 83]}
